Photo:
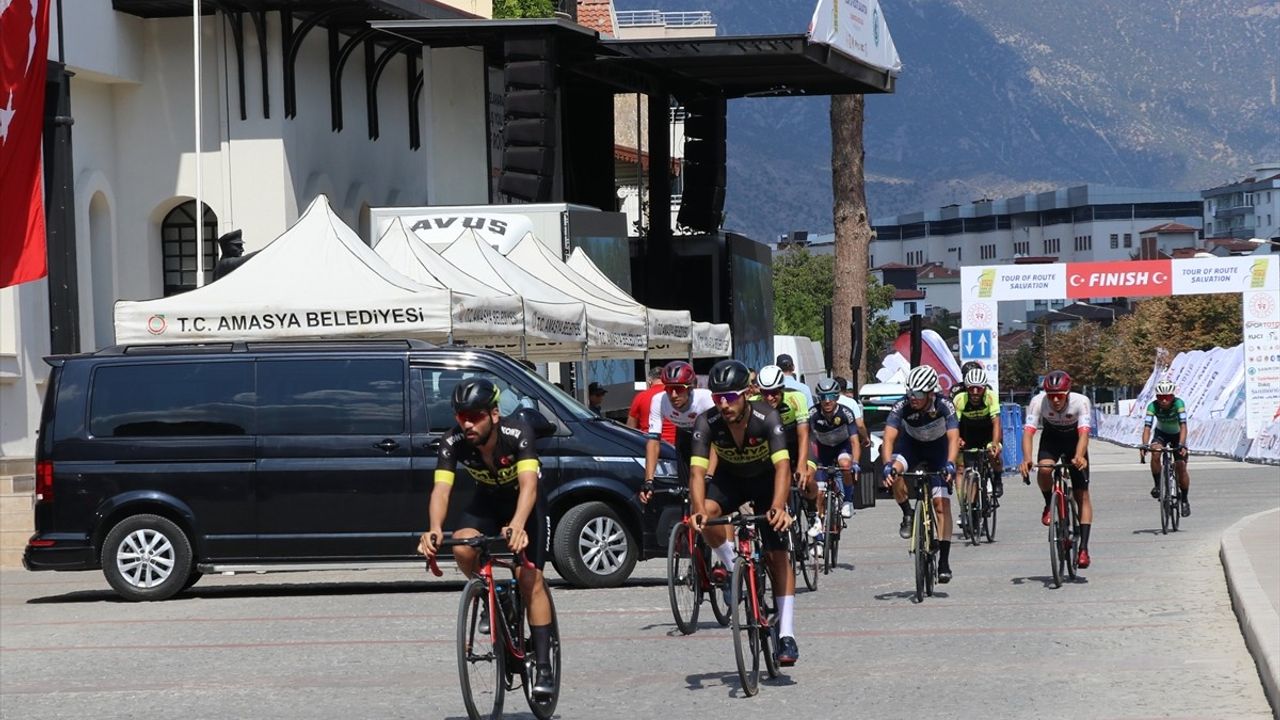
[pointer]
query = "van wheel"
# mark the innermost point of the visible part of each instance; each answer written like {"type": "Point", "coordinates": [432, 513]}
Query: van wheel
{"type": "Point", "coordinates": [593, 547]}
{"type": "Point", "coordinates": [146, 557]}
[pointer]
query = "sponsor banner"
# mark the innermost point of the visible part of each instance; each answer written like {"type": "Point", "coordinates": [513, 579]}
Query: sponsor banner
{"type": "Point", "coordinates": [712, 340]}
{"type": "Point", "coordinates": [856, 28]}
{"type": "Point", "coordinates": [501, 230]}
{"type": "Point", "coordinates": [486, 315]}
{"type": "Point", "coordinates": [1203, 276]}
{"type": "Point", "coordinates": [1126, 278]}
{"type": "Point", "coordinates": [669, 326]}
{"type": "Point", "coordinates": [1013, 282]}
{"type": "Point", "coordinates": [135, 324]}
{"type": "Point", "coordinates": [1261, 359]}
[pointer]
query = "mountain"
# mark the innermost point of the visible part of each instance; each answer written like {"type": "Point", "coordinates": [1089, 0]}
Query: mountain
{"type": "Point", "coordinates": [1002, 97]}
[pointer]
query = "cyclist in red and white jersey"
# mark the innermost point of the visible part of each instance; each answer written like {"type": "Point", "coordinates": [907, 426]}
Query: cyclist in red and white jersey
{"type": "Point", "coordinates": [1065, 417]}
{"type": "Point", "coordinates": [679, 404]}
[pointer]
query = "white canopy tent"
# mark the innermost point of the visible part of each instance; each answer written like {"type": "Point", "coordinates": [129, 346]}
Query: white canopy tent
{"type": "Point", "coordinates": [671, 332]}
{"type": "Point", "coordinates": [318, 279]}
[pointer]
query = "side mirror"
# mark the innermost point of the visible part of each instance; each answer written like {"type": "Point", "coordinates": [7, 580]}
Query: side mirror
{"type": "Point", "coordinates": [542, 427]}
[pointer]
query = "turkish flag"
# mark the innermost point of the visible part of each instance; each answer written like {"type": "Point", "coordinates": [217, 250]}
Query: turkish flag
{"type": "Point", "coordinates": [24, 41]}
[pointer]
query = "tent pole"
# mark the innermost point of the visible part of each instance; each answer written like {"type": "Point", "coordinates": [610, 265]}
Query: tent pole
{"type": "Point", "coordinates": [524, 329]}
{"type": "Point", "coordinates": [586, 379]}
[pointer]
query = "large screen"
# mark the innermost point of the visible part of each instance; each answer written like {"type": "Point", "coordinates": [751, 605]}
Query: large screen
{"type": "Point", "coordinates": [751, 300]}
{"type": "Point", "coordinates": [603, 237]}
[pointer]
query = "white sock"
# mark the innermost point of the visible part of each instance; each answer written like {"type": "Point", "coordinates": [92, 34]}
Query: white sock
{"type": "Point", "coordinates": [725, 554]}
{"type": "Point", "coordinates": [786, 616]}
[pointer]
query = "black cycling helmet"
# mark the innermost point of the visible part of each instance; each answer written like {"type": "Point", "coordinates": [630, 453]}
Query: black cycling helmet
{"type": "Point", "coordinates": [728, 376]}
{"type": "Point", "coordinates": [1057, 381]}
{"type": "Point", "coordinates": [475, 394]}
{"type": "Point", "coordinates": [965, 368]}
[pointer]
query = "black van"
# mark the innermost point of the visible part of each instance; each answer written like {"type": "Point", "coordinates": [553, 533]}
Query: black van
{"type": "Point", "coordinates": [159, 464]}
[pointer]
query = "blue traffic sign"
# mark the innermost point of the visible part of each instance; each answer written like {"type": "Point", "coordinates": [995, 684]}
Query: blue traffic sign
{"type": "Point", "coordinates": [975, 344]}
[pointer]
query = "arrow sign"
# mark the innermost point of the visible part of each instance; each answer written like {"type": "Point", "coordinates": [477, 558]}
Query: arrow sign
{"type": "Point", "coordinates": [976, 343]}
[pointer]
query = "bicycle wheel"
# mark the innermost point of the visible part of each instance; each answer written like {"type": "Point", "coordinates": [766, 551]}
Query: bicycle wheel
{"type": "Point", "coordinates": [1164, 496]}
{"type": "Point", "coordinates": [746, 639]}
{"type": "Point", "coordinates": [806, 557]}
{"type": "Point", "coordinates": [481, 660]}
{"type": "Point", "coordinates": [713, 593]}
{"type": "Point", "coordinates": [1175, 514]}
{"type": "Point", "coordinates": [989, 519]}
{"type": "Point", "coordinates": [931, 556]}
{"type": "Point", "coordinates": [769, 613]}
{"type": "Point", "coordinates": [1055, 540]}
{"type": "Point", "coordinates": [684, 588]}
{"type": "Point", "coordinates": [920, 548]}
{"type": "Point", "coordinates": [834, 518]}
{"type": "Point", "coordinates": [1073, 550]}
{"type": "Point", "coordinates": [544, 709]}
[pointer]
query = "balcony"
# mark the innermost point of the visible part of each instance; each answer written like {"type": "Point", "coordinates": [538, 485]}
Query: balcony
{"type": "Point", "coordinates": [642, 18]}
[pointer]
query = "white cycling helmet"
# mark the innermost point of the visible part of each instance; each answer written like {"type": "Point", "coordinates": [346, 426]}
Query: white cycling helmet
{"type": "Point", "coordinates": [1165, 387]}
{"type": "Point", "coordinates": [922, 379]}
{"type": "Point", "coordinates": [770, 377]}
{"type": "Point", "coordinates": [976, 376]}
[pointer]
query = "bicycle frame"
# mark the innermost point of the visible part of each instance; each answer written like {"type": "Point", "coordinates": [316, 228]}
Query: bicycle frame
{"type": "Point", "coordinates": [486, 562]}
{"type": "Point", "coordinates": [747, 546]}
{"type": "Point", "coordinates": [700, 562]}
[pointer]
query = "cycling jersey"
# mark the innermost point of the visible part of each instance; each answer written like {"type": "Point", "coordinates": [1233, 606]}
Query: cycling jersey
{"type": "Point", "coordinates": [793, 411]}
{"type": "Point", "coordinates": [833, 430]}
{"type": "Point", "coordinates": [513, 453]}
{"type": "Point", "coordinates": [853, 405]}
{"type": "Point", "coordinates": [928, 424]}
{"type": "Point", "coordinates": [660, 409]}
{"type": "Point", "coordinates": [1076, 416]}
{"type": "Point", "coordinates": [975, 418]}
{"type": "Point", "coordinates": [763, 443]}
{"type": "Point", "coordinates": [1167, 420]}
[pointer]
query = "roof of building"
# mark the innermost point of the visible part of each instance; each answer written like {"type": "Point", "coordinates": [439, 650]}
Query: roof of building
{"type": "Point", "coordinates": [1015, 338]}
{"type": "Point", "coordinates": [1235, 245]}
{"type": "Point", "coordinates": [597, 15]}
{"type": "Point", "coordinates": [892, 266]}
{"type": "Point", "coordinates": [935, 272]}
{"type": "Point", "coordinates": [908, 294]}
{"type": "Point", "coordinates": [1035, 260]}
{"type": "Point", "coordinates": [1169, 227]}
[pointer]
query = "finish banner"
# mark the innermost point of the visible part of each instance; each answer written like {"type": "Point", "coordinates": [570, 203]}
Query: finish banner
{"type": "Point", "coordinates": [1127, 278]}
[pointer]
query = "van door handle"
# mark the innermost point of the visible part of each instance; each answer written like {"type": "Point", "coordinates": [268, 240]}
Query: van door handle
{"type": "Point", "coordinates": [387, 445]}
{"type": "Point", "coordinates": [432, 445]}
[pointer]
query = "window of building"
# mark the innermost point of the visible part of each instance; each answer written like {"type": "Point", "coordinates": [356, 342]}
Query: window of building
{"type": "Point", "coordinates": [331, 397]}
{"type": "Point", "coordinates": [988, 252]}
{"type": "Point", "coordinates": [181, 400]}
{"type": "Point", "coordinates": [1115, 241]}
{"type": "Point", "coordinates": [1052, 246]}
{"type": "Point", "coordinates": [909, 307]}
{"type": "Point", "coordinates": [1022, 247]}
{"type": "Point", "coordinates": [1128, 240]}
{"type": "Point", "coordinates": [178, 244]}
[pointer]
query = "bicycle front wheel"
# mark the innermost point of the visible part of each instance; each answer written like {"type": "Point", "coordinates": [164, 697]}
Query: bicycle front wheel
{"type": "Point", "coordinates": [1073, 549]}
{"type": "Point", "coordinates": [481, 658]}
{"type": "Point", "coordinates": [831, 549]}
{"type": "Point", "coordinates": [684, 586]}
{"type": "Point", "coordinates": [768, 625]}
{"type": "Point", "coordinates": [806, 556]}
{"type": "Point", "coordinates": [920, 548]}
{"type": "Point", "coordinates": [746, 636]}
{"type": "Point", "coordinates": [1175, 513]}
{"type": "Point", "coordinates": [542, 708]}
{"type": "Point", "coordinates": [989, 519]}
{"type": "Point", "coordinates": [1055, 541]}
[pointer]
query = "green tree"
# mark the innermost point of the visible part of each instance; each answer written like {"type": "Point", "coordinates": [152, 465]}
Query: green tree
{"type": "Point", "coordinates": [1176, 324]}
{"type": "Point", "coordinates": [509, 9]}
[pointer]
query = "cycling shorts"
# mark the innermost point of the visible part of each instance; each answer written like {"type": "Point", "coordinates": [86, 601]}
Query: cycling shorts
{"type": "Point", "coordinates": [489, 512]}
{"type": "Point", "coordinates": [729, 493]}
{"type": "Point", "coordinates": [1159, 437]}
{"type": "Point", "coordinates": [829, 455]}
{"type": "Point", "coordinates": [1054, 446]}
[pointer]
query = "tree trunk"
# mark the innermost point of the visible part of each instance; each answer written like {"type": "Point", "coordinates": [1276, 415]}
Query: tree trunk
{"type": "Point", "coordinates": [852, 228]}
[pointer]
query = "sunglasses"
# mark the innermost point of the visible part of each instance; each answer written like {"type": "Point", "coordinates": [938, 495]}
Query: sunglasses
{"type": "Point", "coordinates": [677, 389]}
{"type": "Point", "coordinates": [727, 398]}
{"type": "Point", "coordinates": [917, 395]}
{"type": "Point", "coordinates": [470, 416]}
{"type": "Point", "coordinates": [1057, 395]}
{"type": "Point", "coordinates": [828, 397]}
{"type": "Point", "coordinates": [1164, 397]}
{"type": "Point", "coordinates": [771, 393]}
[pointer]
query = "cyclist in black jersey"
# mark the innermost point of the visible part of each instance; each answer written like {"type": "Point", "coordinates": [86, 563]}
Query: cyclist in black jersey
{"type": "Point", "coordinates": [753, 465]}
{"type": "Point", "coordinates": [499, 455]}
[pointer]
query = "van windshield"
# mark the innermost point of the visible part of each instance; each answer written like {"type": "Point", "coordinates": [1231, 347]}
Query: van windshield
{"type": "Point", "coordinates": [574, 407]}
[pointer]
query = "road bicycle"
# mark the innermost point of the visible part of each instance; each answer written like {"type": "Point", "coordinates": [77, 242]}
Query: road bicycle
{"type": "Point", "coordinates": [753, 608]}
{"type": "Point", "coordinates": [924, 529]}
{"type": "Point", "coordinates": [805, 560]}
{"type": "Point", "coordinates": [495, 661]}
{"type": "Point", "coordinates": [979, 511]}
{"type": "Point", "coordinates": [1064, 523]}
{"type": "Point", "coordinates": [833, 523]}
{"type": "Point", "coordinates": [689, 562]}
{"type": "Point", "coordinates": [1170, 517]}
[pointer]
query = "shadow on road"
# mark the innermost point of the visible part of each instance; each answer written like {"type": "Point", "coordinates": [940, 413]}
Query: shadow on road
{"type": "Point", "coordinates": [909, 594]}
{"type": "Point", "coordinates": [729, 680]}
{"type": "Point", "coordinates": [1047, 581]}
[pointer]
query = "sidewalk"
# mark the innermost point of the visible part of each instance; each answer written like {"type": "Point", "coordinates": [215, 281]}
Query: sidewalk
{"type": "Point", "coordinates": [1251, 557]}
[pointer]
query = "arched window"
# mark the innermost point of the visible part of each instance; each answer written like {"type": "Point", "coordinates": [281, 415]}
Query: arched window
{"type": "Point", "coordinates": [178, 243]}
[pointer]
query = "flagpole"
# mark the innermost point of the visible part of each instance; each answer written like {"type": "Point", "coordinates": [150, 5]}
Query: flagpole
{"type": "Point", "coordinates": [195, 57]}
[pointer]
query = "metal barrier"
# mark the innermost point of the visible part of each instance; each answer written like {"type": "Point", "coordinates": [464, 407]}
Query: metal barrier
{"type": "Point", "coordinates": [1011, 428]}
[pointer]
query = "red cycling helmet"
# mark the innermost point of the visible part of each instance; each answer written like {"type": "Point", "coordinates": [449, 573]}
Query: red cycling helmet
{"type": "Point", "coordinates": [679, 372]}
{"type": "Point", "coordinates": [1057, 381]}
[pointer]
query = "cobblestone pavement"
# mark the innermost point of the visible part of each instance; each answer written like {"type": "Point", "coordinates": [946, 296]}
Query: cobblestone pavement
{"type": "Point", "coordinates": [1147, 632]}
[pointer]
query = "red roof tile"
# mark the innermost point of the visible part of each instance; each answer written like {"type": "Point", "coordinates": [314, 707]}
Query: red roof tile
{"type": "Point", "coordinates": [597, 15]}
{"type": "Point", "coordinates": [1171, 227]}
{"type": "Point", "coordinates": [908, 294]}
{"type": "Point", "coordinates": [891, 266]}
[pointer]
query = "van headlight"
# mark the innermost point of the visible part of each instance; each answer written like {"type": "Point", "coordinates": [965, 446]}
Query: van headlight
{"type": "Point", "coordinates": [665, 469]}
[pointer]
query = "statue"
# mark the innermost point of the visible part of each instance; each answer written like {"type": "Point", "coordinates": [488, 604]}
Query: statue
{"type": "Point", "coordinates": [231, 254]}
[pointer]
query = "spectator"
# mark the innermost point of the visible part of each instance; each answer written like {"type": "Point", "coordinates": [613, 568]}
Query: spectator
{"type": "Point", "coordinates": [788, 366]}
{"type": "Point", "coordinates": [638, 416]}
{"type": "Point", "coordinates": [595, 398]}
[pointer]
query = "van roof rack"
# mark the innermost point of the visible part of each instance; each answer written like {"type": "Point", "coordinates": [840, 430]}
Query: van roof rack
{"type": "Point", "coordinates": [268, 346]}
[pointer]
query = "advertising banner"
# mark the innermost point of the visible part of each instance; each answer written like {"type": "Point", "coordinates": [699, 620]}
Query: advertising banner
{"type": "Point", "coordinates": [1261, 359]}
{"type": "Point", "coordinates": [1203, 276]}
{"type": "Point", "coordinates": [856, 28]}
{"type": "Point", "coordinates": [1013, 282]}
{"type": "Point", "coordinates": [1124, 278]}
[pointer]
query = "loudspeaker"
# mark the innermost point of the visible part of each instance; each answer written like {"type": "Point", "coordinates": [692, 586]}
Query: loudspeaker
{"type": "Point", "coordinates": [529, 128]}
{"type": "Point", "coordinates": [702, 201]}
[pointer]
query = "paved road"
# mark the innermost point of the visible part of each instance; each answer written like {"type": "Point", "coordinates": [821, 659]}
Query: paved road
{"type": "Point", "coordinates": [1148, 632]}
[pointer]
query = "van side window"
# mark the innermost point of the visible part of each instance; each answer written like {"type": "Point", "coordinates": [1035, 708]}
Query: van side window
{"type": "Point", "coordinates": [172, 399]}
{"type": "Point", "coordinates": [331, 397]}
{"type": "Point", "coordinates": [438, 385]}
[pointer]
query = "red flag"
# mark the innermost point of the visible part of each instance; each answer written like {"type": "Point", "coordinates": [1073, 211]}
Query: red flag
{"type": "Point", "coordinates": [24, 41]}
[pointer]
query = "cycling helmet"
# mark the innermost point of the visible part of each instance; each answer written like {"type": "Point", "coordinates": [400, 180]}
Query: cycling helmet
{"type": "Point", "coordinates": [1165, 387]}
{"type": "Point", "coordinates": [1057, 381]}
{"type": "Point", "coordinates": [475, 394]}
{"type": "Point", "coordinates": [770, 378]}
{"type": "Point", "coordinates": [828, 386]}
{"type": "Point", "coordinates": [679, 372]}
{"type": "Point", "coordinates": [728, 376]}
{"type": "Point", "coordinates": [965, 368]}
{"type": "Point", "coordinates": [975, 377]}
{"type": "Point", "coordinates": [922, 379]}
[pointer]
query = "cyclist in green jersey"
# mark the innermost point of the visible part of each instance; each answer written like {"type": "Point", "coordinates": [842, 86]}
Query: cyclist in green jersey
{"type": "Point", "coordinates": [793, 410]}
{"type": "Point", "coordinates": [1166, 424]}
{"type": "Point", "coordinates": [979, 413]}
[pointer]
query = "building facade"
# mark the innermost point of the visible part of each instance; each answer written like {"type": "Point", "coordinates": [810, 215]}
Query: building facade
{"type": "Point", "coordinates": [1248, 208]}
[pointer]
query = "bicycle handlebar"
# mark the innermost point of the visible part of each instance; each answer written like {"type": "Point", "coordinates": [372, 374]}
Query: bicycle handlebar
{"type": "Point", "coordinates": [738, 520]}
{"type": "Point", "coordinates": [485, 542]}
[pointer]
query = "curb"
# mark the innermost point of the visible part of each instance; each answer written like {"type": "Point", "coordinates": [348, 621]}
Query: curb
{"type": "Point", "coordinates": [1259, 622]}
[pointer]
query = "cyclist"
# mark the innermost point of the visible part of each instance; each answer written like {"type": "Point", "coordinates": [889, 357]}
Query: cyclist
{"type": "Point", "coordinates": [961, 387]}
{"type": "Point", "coordinates": [979, 413]}
{"type": "Point", "coordinates": [499, 455]}
{"type": "Point", "coordinates": [924, 430]}
{"type": "Point", "coordinates": [793, 410]}
{"type": "Point", "coordinates": [750, 443]}
{"type": "Point", "coordinates": [1168, 414]}
{"type": "Point", "coordinates": [833, 427]}
{"type": "Point", "coordinates": [679, 404]}
{"type": "Point", "coordinates": [849, 399]}
{"type": "Point", "coordinates": [1065, 418]}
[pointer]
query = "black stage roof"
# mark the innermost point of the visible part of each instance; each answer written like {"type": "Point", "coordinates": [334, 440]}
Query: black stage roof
{"type": "Point", "coordinates": [346, 13]}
